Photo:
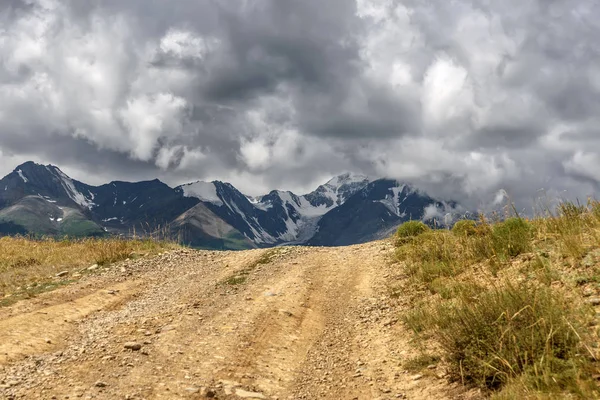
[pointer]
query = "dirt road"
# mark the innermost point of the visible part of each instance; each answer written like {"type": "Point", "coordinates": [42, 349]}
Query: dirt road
{"type": "Point", "coordinates": [286, 323]}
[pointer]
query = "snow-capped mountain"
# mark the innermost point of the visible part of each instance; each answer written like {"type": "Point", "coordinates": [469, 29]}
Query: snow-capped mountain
{"type": "Point", "coordinates": [117, 207]}
{"type": "Point", "coordinates": [280, 216]}
{"type": "Point", "coordinates": [336, 191]}
{"type": "Point", "coordinates": [43, 200]}
{"type": "Point", "coordinates": [371, 212]}
{"type": "Point", "coordinates": [46, 181]}
{"type": "Point", "coordinates": [347, 209]}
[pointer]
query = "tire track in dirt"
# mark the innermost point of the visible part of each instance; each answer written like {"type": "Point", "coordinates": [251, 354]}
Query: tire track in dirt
{"type": "Point", "coordinates": [311, 323]}
{"type": "Point", "coordinates": [21, 337]}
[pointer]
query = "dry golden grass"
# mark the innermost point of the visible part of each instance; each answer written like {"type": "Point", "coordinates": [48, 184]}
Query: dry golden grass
{"type": "Point", "coordinates": [26, 263]}
{"type": "Point", "coordinates": [505, 305]}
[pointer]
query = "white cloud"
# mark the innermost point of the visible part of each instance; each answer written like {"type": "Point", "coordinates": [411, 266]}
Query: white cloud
{"type": "Point", "coordinates": [148, 118]}
{"type": "Point", "coordinates": [447, 95]}
{"type": "Point", "coordinates": [255, 153]}
{"type": "Point", "coordinates": [185, 44]}
{"type": "Point", "coordinates": [586, 164]}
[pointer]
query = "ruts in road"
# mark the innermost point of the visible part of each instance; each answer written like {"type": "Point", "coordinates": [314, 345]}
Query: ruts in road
{"type": "Point", "coordinates": [283, 323]}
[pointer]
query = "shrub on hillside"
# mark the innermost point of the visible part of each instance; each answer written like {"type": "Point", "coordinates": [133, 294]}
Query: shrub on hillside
{"type": "Point", "coordinates": [409, 230]}
{"type": "Point", "coordinates": [439, 253]}
{"type": "Point", "coordinates": [431, 255]}
{"type": "Point", "coordinates": [512, 237]}
{"type": "Point", "coordinates": [464, 227]}
{"type": "Point", "coordinates": [509, 332]}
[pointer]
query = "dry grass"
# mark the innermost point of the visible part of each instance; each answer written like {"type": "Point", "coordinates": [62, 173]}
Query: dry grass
{"type": "Point", "coordinates": [27, 264]}
{"type": "Point", "coordinates": [504, 303]}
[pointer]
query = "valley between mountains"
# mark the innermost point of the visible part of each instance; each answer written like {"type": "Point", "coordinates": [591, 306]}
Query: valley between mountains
{"type": "Point", "coordinates": [284, 323]}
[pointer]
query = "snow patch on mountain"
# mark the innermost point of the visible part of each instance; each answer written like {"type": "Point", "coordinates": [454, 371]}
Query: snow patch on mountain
{"type": "Point", "coordinates": [327, 197]}
{"type": "Point", "coordinates": [257, 202]}
{"type": "Point", "coordinates": [346, 179]}
{"type": "Point", "coordinates": [48, 199]}
{"type": "Point", "coordinates": [330, 192]}
{"type": "Point", "coordinates": [302, 206]}
{"type": "Point", "coordinates": [263, 206]}
{"type": "Point", "coordinates": [260, 235]}
{"type": "Point", "coordinates": [393, 201]}
{"type": "Point", "coordinates": [71, 191]}
{"type": "Point", "coordinates": [302, 213]}
{"type": "Point", "coordinates": [253, 200]}
{"type": "Point", "coordinates": [292, 226]}
{"type": "Point", "coordinates": [205, 191]}
{"type": "Point", "coordinates": [306, 209]}
{"type": "Point", "coordinates": [340, 188]}
{"type": "Point", "coordinates": [22, 176]}
{"type": "Point", "coordinates": [300, 222]}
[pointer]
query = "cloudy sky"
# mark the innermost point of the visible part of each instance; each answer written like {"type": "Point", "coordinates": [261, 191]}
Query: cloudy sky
{"type": "Point", "coordinates": [461, 97]}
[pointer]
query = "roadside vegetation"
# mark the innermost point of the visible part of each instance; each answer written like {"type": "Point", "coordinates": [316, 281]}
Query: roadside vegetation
{"type": "Point", "coordinates": [29, 267]}
{"type": "Point", "coordinates": [240, 277]}
{"type": "Point", "coordinates": [511, 307]}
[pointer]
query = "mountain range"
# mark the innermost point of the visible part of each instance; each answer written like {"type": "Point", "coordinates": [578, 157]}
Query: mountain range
{"type": "Point", "coordinates": [41, 200]}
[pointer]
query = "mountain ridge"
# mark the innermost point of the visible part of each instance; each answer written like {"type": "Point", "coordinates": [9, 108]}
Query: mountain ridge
{"type": "Point", "coordinates": [347, 209]}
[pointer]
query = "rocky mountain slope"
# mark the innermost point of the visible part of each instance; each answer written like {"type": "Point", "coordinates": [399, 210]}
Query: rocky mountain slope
{"type": "Point", "coordinates": [373, 210]}
{"type": "Point", "coordinates": [42, 200]}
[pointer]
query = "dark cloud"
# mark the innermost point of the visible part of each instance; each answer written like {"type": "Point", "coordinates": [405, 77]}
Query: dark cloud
{"type": "Point", "coordinates": [463, 99]}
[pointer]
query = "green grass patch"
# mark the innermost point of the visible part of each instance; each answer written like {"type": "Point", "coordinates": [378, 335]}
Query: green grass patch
{"type": "Point", "coordinates": [512, 237]}
{"type": "Point", "coordinates": [432, 255]}
{"type": "Point", "coordinates": [420, 362]}
{"type": "Point", "coordinates": [268, 257]}
{"type": "Point", "coordinates": [451, 288]}
{"type": "Point", "coordinates": [240, 277]}
{"type": "Point", "coordinates": [464, 227]}
{"type": "Point", "coordinates": [235, 280]}
{"type": "Point", "coordinates": [409, 230]}
{"type": "Point", "coordinates": [77, 226]}
{"type": "Point", "coordinates": [32, 292]}
{"type": "Point", "coordinates": [419, 319]}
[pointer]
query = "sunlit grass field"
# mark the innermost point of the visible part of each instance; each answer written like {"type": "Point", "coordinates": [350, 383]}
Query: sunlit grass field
{"type": "Point", "coordinates": [29, 266]}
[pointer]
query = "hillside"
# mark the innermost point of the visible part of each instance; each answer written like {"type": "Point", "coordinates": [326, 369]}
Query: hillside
{"type": "Point", "coordinates": [507, 310]}
{"type": "Point", "coordinates": [510, 307]}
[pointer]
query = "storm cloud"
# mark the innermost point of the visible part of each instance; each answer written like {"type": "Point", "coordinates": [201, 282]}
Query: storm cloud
{"type": "Point", "coordinates": [462, 98]}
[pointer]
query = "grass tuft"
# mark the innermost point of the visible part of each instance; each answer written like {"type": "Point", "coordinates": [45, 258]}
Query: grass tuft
{"type": "Point", "coordinates": [240, 277]}
{"type": "Point", "coordinates": [512, 237]}
{"type": "Point", "coordinates": [420, 362]}
{"type": "Point", "coordinates": [464, 227]}
{"type": "Point", "coordinates": [409, 230]}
